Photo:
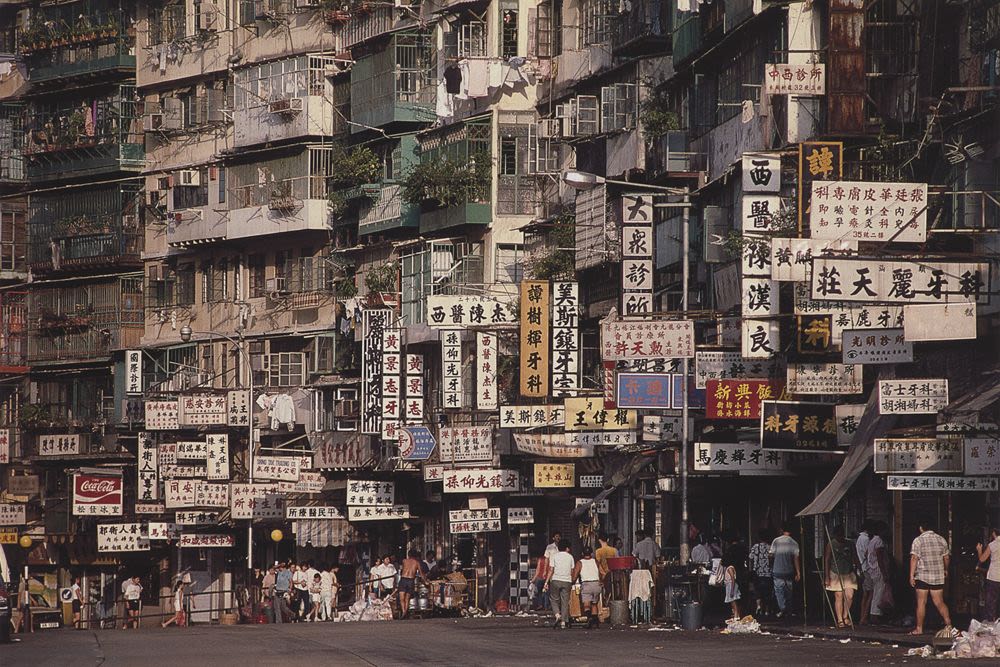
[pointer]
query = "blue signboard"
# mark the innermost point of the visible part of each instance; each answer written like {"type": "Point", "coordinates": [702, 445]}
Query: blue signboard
{"type": "Point", "coordinates": [644, 390]}
{"type": "Point", "coordinates": [416, 443]}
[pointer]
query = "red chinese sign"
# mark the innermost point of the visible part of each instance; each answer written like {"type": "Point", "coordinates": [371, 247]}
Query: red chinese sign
{"type": "Point", "coordinates": [738, 399]}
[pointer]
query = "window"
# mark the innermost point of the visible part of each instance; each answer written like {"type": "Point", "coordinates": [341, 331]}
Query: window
{"type": "Point", "coordinates": [185, 284]}
{"type": "Point", "coordinates": [324, 356]}
{"type": "Point", "coordinates": [599, 20]}
{"type": "Point", "coordinates": [224, 365]}
{"type": "Point", "coordinates": [222, 184]}
{"type": "Point", "coordinates": [191, 196]}
{"type": "Point", "coordinates": [508, 32]}
{"type": "Point", "coordinates": [619, 107]}
{"type": "Point", "coordinates": [256, 266]}
{"type": "Point", "coordinates": [509, 267]}
{"type": "Point", "coordinates": [472, 40]}
{"type": "Point", "coordinates": [206, 279]}
{"type": "Point", "coordinates": [508, 156]}
{"type": "Point", "coordinates": [215, 281]}
{"type": "Point", "coordinates": [207, 365]}
{"type": "Point", "coordinates": [415, 281]}
{"type": "Point", "coordinates": [286, 369]}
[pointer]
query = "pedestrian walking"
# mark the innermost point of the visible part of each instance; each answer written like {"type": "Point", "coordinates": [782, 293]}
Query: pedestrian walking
{"type": "Point", "coordinates": [132, 597]}
{"type": "Point", "coordinates": [383, 577]}
{"type": "Point", "coordinates": [328, 593]}
{"type": "Point", "coordinates": [180, 616]}
{"type": "Point", "coordinates": [559, 582]}
{"type": "Point", "coordinates": [760, 574]}
{"type": "Point", "coordinates": [540, 598]}
{"type": "Point", "coordinates": [877, 560]}
{"type": "Point", "coordinates": [786, 568]}
{"type": "Point", "coordinates": [409, 573]}
{"type": "Point", "coordinates": [929, 560]}
{"type": "Point", "coordinates": [282, 590]}
{"type": "Point", "coordinates": [589, 574]}
{"type": "Point", "coordinates": [553, 547]}
{"type": "Point", "coordinates": [839, 558]}
{"type": "Point", "coordinates": [76, 595]}
{"type": "Point", "coordinates": [991, 553]}
{"type": "Point", "coordinates": [734, 560]}
{"type": "Point", "coordinates": [315, 598]}
{"type": "Point", "coordinates": [865, 582]}
{"type": "Point", "coordinates": [300, 592]}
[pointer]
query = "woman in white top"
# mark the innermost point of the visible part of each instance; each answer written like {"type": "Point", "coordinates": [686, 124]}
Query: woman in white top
{"type": "Point", "coordinates": [992, 554]}
{"type": "Point", "coordinates": [590, 586]}
{"type": "Point", "coordinates": [178, 617]}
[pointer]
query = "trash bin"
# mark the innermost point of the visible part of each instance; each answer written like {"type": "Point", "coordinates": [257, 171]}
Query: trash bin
{"type": "Point", "coordinates": [619, 612]}
{"type": "Point", "coordinates": [691, 616]}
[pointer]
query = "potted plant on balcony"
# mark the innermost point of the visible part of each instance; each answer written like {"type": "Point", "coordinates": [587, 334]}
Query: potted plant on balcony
{"type": "Point", "coordinates": [446, 182]}
{"type": "Point", "coordinates": [381, 281]}
{"type": "Point", "coordinates": [335, 11]}
{"type": "Point", "coordinates": [353, 170]}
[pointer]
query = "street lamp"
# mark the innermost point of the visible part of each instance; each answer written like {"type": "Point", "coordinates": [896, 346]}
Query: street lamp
{"type": "Point", "coordinates": [186, 334]}
{"type": "Point", "coordinates": [581, 180]}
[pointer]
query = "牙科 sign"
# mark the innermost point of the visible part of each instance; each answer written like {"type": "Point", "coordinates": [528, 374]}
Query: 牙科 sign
{"type": "Point", "coordinates": [744, 458]}
{"type": "Point", "coordinates": [935, 483]}
{"type": "Point", "coordinates": [903, 281]}
{"type": "Point", "coordinates": [845, 315]}
{"type": "Point", "coordinates": [370, 492]}
{"type": "Point", "coordinates": [565, 339]}
{"type": "Point", "coordinates": [794, 79]}
{"type": "Point", "coordinates": [871, 212]}
{"type": "Point", "coordinates": [869, 346]}
{"type": "Point", "coordinates": [917, 455]}
{"type": "Point", "coordinates": [196, 518]}
{"type": "Point", "coordinates": [646, 339]}
{"type": "Point", "coordinates": [824, 379]}
{"type": "Point", "coordinates": [795, 426]}
{"type": "Point", "coordinates": [555, 475]}
{"type": "Point", "coordinates": [912, 397]}
{"type": "Point", "coordinates": [535, 312]}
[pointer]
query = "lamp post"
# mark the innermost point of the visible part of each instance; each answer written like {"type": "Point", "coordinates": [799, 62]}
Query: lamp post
{"type": "Point", "coordinates": [186, 334]}
{"type": "Point", "coordinates": [581, 180]}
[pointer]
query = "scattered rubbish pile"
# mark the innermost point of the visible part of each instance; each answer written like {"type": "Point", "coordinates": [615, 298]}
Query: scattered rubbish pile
{"type": "Point", "coordinates": [747, 625]}
{"type": "Point", "coordinates": [981, 640]}
{"type": "Point", "coordinates": [368, 609]}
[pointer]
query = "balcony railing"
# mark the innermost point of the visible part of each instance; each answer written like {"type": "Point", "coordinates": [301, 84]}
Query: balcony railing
{"type": "Point", "coordinates": [386, 210]}
{"type": "Point", "coordinates": [645, 27]}
{"type": "Point", "coordinates": [13, 331]}
{"type": "Point", "coordinates": [76, 40]}
{"type": "Point", "coordinates": [395, 85]}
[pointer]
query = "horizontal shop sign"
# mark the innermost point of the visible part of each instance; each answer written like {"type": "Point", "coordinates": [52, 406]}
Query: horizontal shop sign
{"type": "Point", "coordinates": [936, 483]}
{"type": "Point", "coordinates": [917, 455]}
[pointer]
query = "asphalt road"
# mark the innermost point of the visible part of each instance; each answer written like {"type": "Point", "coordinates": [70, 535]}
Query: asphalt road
{"type": "Point", "coordinates": [491, 641]}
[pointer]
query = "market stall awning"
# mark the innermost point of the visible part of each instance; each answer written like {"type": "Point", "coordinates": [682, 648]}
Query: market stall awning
{"type": "Point", "coordinates": [322, 533]}
{"type": "Point", "coordinates": [858, 457]}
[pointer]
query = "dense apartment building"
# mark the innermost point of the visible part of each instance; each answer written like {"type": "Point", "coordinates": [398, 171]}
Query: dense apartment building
{"type": "Point", "coordinates": [219, 219]}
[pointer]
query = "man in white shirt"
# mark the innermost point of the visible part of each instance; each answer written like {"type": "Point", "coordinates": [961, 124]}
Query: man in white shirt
{"type": "Point", "coordinates": [311, 573]}
{"type": "Point", "coordinates": [701, 554]}
{"type": "Point", "coordinates": [383, 577]}
{"type": "Point", "coordinates": [300, 589]}
{"type": "Point", "coordinates": [553, 547]}
{"type": "Point", "coordinates": [646, 550]}
{"type": "Point", "coordinates": [133, 593]}
{"type": "Point", "coordinates": [560, 581]}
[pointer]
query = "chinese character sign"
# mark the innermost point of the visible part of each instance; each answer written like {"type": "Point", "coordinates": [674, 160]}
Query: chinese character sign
{"type": "Point", "coordinates": [451, 369]}
{"type": "Point", "coordinates": [4, 446]}
{"type": "Point", "coordinates": [637, 255]}
{"type": "Point", "coordinates": [379, 513]}
{"type": "Point", "coordinates": [738, 399]}
{"type": "Point", "coordinates": [791, 259]}
{"type": "Point", "coordinates": [462, 444]}
{"type": "Point", "coordinates": [205, 540]}
{"type": "Point", "coordinates": [486, 371]}
{"type": "Point", "coordinates": [414, 389]}
{"type": "Point", "coordinates": [12, 514]}
{"type": "Point", "coordinates": [97, 495]}
{"type": "Point", "coordinates": [555, 475]}
{"type": "Point", "coordinates": [217, 456]}
{"type": "Point", "coordinates": [644, 390]}
{"type": "Point", "coordinates": [565, 337]}
{"type": "Point", "coordinates": [534, 338]}
{"type": "Point", "coordinates": [917, 455]}
{"type": "Point", "coordinates": [939, 321]}
{"type": "Point", "coordinates": [370, 492]}
{"type": "Point", "coordinates": [133, 371]}
{"type": "Point", "coordinates": [528, 416]}
{"type": "Point", "coordinates": [554, 445]}
{"type": "Point", "coordinates": [870, 346]}
{"type": "Point", "coordinates": [162, 415]}
{"type": "Point", "coordinates": [392, 383]}
{"type": "Point", "coordinates": [147, 465]}
{"type": "Point", "coordinates": [589, 414]}
{"type": "Point", "coordinates": [756, 256]}
{"type": "Point", "coordinates": [238, 405]}
{"type": "Point", "coordinates": [284, 468]}
{"type": "Point", "coordinates": [744, 458]}
{"type": "Point", "coordinates": [630, 339]}
{"type": "Point", "coordinates": [203, 410]}
{"type": "Point", "coordinates": [912, 397]}
{"type": "Point", "coordinates": [463, 311]}
{"type": "Point", "coordinates": [824, 379]}
{"type": "Point", "coordinates": [760, 297]}
{"type": "Point", "coordinates": [373, 323]}
{"type": "Point", "coordinates": [313, 512]}
{"type": "Point", "coordinates": [866, 211]}
{"type": "Point", "coordinates": [480, 480]}
{"type": "Point", "coordinates": [761, 339]}
{"type": "Point", "coordinates": [878, 281]}
{"type": "Point", "coordinates": [936, 483]}
{"type": "Point", "coordinates": [982, 456]}
{"type": "Point", "coordinates": [761, 172]}
{"type": "Point", "coordinates": [518, 516]}
{"type": "Point", "coordinates": [122, 537]}
{"type": "Point", "coordinates": [59, 445]}
{"type": "Point", "coordinates": [798, 427]}
{"type": "Point", "coordinates": [761, 213]}
{"type": "Point", "coordinates": [818, 161]}
{"type": "Point", "coordinates": [256, 501]}
{"type": "Point", "coordinates": [712, 365]}
{"type": "Point", "coordinates": [795, 79]}
{"type": "Point", "coordinates": [848, 420]}
{"type": "Point", "coordinates": [416, 443]}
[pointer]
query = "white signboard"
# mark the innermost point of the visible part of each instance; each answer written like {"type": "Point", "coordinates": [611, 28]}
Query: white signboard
{"type": "Point", "coordinates": [448, 311]}
{"type": "Point", "coordinates": [520, 516]}
{"type": "Point", "coordinates": [147, 465]}
{"type": "Point", "coordinates": [217, 458]}
{"type": "Point", "coordinates": [756, 258]}
{"type": "Point", "coordinates": [845, 315]}
{"type": "Point", "coordinates": [133, 372]}
{"type": "Point", "coordinates": [480, 480]}
{"type": "Point", "coordinates": [761, 339]}
{"type": "Point", "coordinates": [373, 322]}
{"type": "Point", "coordinates": [191, 450]}
{"type": "Point", "coordinates": [161, 415]}
{"type": "Point", "coordinates": [590, 481]}
{"type": "Point", "coordinates": [392, 383]}
{"type": "Point", "coordinates": [744, 458]}
{"type": "Point", "coordinates": [600, 507]}
{"type": "Point", "coordinates": [180, 493]}
{"type": "Point", "coordinates": [848, 419]}
{"type": "Point", "coordinates": [378, 513]}
{"type": "Point", "coordinates": [721, 365]}
{"type": "Point", "coordinates": [760, 213]}
{"type": "Point", "coordinates": [794, 79]}
{"type": "Point", "coordinates": [554, 445]}
{"type": "Point", "coordinates": [163, 530]}
{"type": "Point", "coordinates": [646, 339]}
{"type": "Point", "coordinates": [870, 346]}
{"type": "Point", "coordinates": [122, 537]}
{"type": "Point", "coordinates": [487, 353]}
{"type": "Point", "coordinates": [462, 444]}
{"type": "Point", "coordinates": [433, 472]}
{"type": "Point", "coordinates": [912, 397]}
{"type": "Point", "coordinates": [12, 514]}
{"type": "Point", "coordinates": [451, 368]}
{"type": "Point", "coordinates": [565, 339]}
{"type": "Point", "coordinates": [939, 321]}
{"type": "Point", "coordinates": [528, 416]}
{"type": "Point", "coordinates": [871, 212]}
{"type": "Point", "coordinates": [897, 282]}
{"type": "Point", "coordinates": [370, 492]}
{"type": "Point", "coordinates": [761, 172]}
{"type": "Point", "coordinates": [207, 494]}
{"type": "Point", "coordinates": [309, 482]}
{"type": "Point", "coordinates": [664, 427]}
{"type": "Point", "coordinates": [205, 540]}
{"type": "Point", "coordinates": [284, 468]}
{"type": "Point", "coordinates": [791, 259]}
{"type": "Point", "coordinates": [982, 456]}
{"type": "Point", "coordinates": [760, 297]}
{"type": "Point", "coordinates": [917, 455]}
{"type": "Point", "coordinates": [238, 406]}
{"type": "Point", "coordinates": [4, 446]}
{"type": "Point", "coordinates": [474, 514]}
{"type": "Point", "coordinates": [256, 501]}
{"type": "Point", "coordinates": [150, 508]}
{"type": "Point", "coordinates": [314, 512]}
{"type": "Point", "coordinates": [203, 410]}
{"type": "Point", "coordinates": [934, 483]}
{"type": "Point", "coordinates": [196, 518]}
{"type": "Point", "coordinates": [59, 445]}
{"type": "Point", "coordinates": [637, 241]}
{"type": "Point", "coordinates": [824, 379]}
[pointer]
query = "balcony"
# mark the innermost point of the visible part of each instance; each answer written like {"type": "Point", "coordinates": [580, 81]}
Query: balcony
{"type": "Point", "coordinates": [13, 332]}
{"type": "Point", "coordinates": [71, 138]}
{"type": "Point", "coordinates": [396, 85]}
{"type": "Point", "coordinates": [84, 321]}
{"type": "Point", "coordinates": [11, 143]}
{"type": "Point", "coordinates": [669, 154]}
{"type": "Point", "coordinates": [84, 229]}
{"type": "Point", "coordinates": [274, 198]}
{"type": "Point", "coordinates": [77, 40]}
{"type": "Point", "coordinates": [644, 28]}
{"type": "Point", "coordinates": [192, 226]}
{"type": "Point", "coordinates": [686, 39]}
{"type": "Point", "coordinates": [12, 241]}
{"type": "Point", "coordinates": [359, 24]}
{"type": "Point", "coordinates": [289, 99]}
{"type": "Point", "coordinates": [469, 213]}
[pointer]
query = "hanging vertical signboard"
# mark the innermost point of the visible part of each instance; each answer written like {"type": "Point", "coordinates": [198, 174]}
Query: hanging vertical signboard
{"type": "Point", "coordinates": [565, 338]}
{"type": "Point", "coordinates": [147, 463]}
{"type": "Point", "coordinates": [534, 338]}
{"type": "Point", "coordinates": [637, 255]}
{"type": "Point", "coordinates": [451, 368]}
{"type": "Point", "coordinates": [486, 371]}
{"type": "Point", "coordinates": [133, 371]}
{"type": "Point", "coordinates": [392, 383]}
{"type": "Point", "coordinates": [373, 323]}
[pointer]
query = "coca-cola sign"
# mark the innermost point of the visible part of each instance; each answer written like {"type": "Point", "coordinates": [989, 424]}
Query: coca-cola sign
{"type": "Point", "coordinates": [97, 495]}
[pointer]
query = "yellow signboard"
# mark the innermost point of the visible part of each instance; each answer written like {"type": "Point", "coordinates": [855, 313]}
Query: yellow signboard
{"type": "Point", "coordinates": [555, 475]}
{"type": "Point", "coordinates": [535, 338]}
{"type": "Point", "coordinates": [589, 414]}
{"type": "Point", "coordinates": [8, 537]}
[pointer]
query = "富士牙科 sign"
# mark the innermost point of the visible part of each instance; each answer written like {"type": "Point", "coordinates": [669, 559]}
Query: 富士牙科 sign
{"type": "Point", "coordinates": [936, 483]}
{"type": "Point", "coordinates": [644, 339]}
{"type": "Point", "coordinates": [912, 397]}
{"type": "Point", "coordinates": [795, 426]}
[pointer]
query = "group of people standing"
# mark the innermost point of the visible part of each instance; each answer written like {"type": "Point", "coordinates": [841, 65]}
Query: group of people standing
{"type": "Point", "coordinates": [301, 592]}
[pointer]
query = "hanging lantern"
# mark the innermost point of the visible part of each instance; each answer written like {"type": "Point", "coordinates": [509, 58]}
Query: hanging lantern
{"type": "Point", "coordinates": [277, 535]}
{"type": "Point", "coordinates": [25, 541]}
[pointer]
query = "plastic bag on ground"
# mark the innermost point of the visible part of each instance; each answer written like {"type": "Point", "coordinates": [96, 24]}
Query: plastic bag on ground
{"type": "Point", "coordinates": [742, 626]}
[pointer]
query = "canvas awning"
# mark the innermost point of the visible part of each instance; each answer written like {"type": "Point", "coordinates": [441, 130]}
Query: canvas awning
{"type": "Point", "coordinates": [872, 425]}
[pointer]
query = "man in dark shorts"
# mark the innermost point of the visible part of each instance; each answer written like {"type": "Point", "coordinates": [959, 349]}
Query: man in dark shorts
{"type": "Point", "coordinates": [132, 594]}
{"type": "Point", "coordinates": [929, 560]}
{"type": "Point", "coordinates": [409, 572]}
{"type": "Point", "coordinates": [76, 594]}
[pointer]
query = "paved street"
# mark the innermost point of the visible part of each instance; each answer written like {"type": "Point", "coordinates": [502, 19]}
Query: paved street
{"type": "Point", "coordinates": [431, 642]}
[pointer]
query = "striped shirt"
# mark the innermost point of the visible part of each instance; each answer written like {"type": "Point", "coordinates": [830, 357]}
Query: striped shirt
{"type": "Point", "coordinates": [930, 550]}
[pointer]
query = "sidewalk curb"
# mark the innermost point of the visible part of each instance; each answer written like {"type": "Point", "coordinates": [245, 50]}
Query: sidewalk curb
{"type": "Point", "coordinates": [904, 641]}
